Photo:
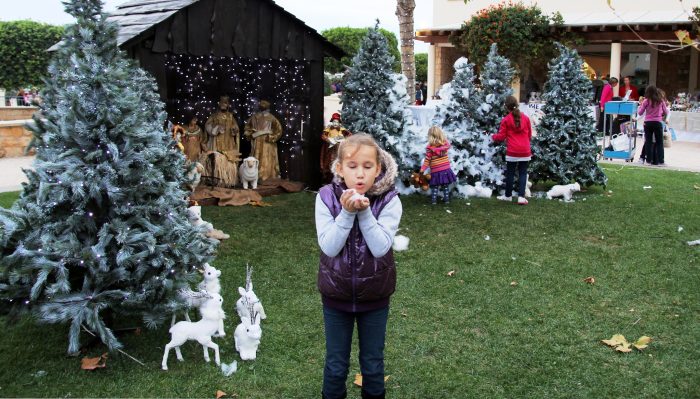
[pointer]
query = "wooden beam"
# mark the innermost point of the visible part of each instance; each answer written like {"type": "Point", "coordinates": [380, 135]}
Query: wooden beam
{"type": "Point", "coordinates": [433, 39]}
{"type": "Point", "coordinates": [628, 36]}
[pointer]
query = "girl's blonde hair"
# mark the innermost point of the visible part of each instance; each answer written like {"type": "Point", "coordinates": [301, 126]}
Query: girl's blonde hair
{"type": "Point", "coordinates": [436, 137]}
{"type": "Point", "coordinates": [355, 142]}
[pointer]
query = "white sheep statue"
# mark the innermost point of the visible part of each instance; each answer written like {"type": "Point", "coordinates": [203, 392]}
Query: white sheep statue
{"type": "Point", "coordinates": [248, 334]}
{"type": "Point", "coordinates": [248, 297]}
{"type": "Point", "coordinates": [201, 331]}
{"type": "Point", "coordinates": [248, 172]}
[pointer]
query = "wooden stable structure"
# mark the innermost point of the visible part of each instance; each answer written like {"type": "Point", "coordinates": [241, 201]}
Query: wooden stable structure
{"type": "Point", "coordinates": [234, 34]}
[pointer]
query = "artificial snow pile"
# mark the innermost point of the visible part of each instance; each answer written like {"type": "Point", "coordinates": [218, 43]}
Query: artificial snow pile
{"type": "Point", "coordinates": [400, 243]}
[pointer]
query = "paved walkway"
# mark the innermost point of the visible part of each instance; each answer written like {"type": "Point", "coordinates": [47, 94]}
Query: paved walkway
{"type": "Point", "coordinates": [11, 175]}
{"type": "Point", "coordinates": [683, 155]}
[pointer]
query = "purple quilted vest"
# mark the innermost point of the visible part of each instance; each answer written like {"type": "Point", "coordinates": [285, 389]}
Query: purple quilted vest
{"type": "Point", "coordinates": [355, 280]}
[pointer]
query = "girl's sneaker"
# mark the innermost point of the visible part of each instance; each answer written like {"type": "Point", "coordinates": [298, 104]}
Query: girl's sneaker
{"type": "Point", "coordinates": [504, 198]}
{"type": "Point", "coordinates": [522, 201]}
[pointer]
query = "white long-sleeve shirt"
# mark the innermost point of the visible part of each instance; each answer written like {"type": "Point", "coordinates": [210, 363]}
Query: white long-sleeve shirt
{"type": "Point", "coordinates": [377, 232]}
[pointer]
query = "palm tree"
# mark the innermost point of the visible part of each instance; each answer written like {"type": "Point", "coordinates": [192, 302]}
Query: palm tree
{"type": "Point", "coordinates": [404, 10]}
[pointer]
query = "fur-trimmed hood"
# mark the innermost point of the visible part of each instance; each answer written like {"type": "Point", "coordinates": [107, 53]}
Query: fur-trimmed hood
{"type": "Point", "coordinates": [386, 179]}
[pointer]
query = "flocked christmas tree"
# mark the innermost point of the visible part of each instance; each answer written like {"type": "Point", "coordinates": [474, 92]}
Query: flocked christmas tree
{"type": "Point", "coordinates": [565, 148]}
{"type": "Point", "coordinates": [471, 154]}
{"type": "Point", "coordinates": [101, 227]}
{"type": "Point", "coordinates": [373, 101]}
{"type": "Point", "coordinates": [496, 80]}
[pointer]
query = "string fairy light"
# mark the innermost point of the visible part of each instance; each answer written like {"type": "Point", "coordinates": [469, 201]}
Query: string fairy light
{"type": "Point", "coordinates": [200, 80]}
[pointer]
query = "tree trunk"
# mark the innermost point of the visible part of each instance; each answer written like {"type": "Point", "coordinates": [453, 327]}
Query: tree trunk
{"type": "Point", "coordinates": [404, 10]}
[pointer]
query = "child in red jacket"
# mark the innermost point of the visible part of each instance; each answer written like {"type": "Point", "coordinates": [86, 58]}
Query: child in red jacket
{"type": "Point", "coordinates": [516, 132]}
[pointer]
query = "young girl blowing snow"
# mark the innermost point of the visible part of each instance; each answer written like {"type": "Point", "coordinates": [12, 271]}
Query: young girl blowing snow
{"type": "Point", "coordinates": [516, 132]}
{"type": "Point", "coordinates": [441, 174]}
{"type": "Point", "coordinates": [357, 217]}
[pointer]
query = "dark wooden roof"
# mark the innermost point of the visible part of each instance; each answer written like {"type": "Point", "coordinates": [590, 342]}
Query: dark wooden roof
{"type": "Point", "coordinates": [139, 18]}
{"type": "Point", "coordinates": [219, 27]}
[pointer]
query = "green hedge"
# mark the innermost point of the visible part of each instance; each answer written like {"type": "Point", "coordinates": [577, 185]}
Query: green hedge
{"type": "Point", "coordinates": [349, 39]}
{"type": "Point", "coordinates": [23, 55]}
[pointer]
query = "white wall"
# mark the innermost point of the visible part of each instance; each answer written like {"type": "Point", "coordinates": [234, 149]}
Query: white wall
{"type": "Point", "coordinates": [451, 12]}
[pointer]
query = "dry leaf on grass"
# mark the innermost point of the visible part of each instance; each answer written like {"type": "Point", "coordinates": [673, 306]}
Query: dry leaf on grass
{"type": "Point", "coordinates": [642, 342]}
{"type": "Point", "coordinates": [620, 344]}
{"type": "Point", "coordinates": [451, 273]}
{"type": "Point", "coordinates": [92, 363]}
{"type": "Point", "coordinates": [220, 394]}
{"type": "Point", "coordinates": [259, 203]}
{"type": "Point", "coordinates": [513, 283]}
{"type": "Point", "coordinates": [589, 280]}
{"type": "Point", "coordinates": [358, 379]}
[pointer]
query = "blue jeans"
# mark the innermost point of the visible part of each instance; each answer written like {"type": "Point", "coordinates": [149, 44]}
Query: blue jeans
{"type": "Point", "coordinates": [371, 331]}
{"type": "Point", "coordinates": [522, 177]}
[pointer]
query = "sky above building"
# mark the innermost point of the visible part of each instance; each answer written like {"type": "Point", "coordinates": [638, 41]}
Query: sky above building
{"type": "Point", "coordinates": [319, 15]}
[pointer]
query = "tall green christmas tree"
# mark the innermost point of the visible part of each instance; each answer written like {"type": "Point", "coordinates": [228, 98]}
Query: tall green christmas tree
{"type": "Point", "coordinates": [372, 102]}
{"type": "Point", "coordinates": [471, 154]}
{"type": "Point", "coordinates": [101, 227]}
{"type": "Point", "coordinates": [496, 80]}
{"type": "Point", "coordinates": [565, 147]}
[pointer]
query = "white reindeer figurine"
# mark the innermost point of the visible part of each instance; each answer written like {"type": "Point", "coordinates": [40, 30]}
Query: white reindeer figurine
{"type": "Point", "coordinates": [248, 333]}
{"type": "Point", "coordinates": [248, 297]}
{"type": "Point", "coordinates": [201, 331]}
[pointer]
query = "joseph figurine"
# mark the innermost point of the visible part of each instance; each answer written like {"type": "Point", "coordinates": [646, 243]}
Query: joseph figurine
{"type": "Point", "coordinates": [222, 129]}
{"type": "Point", "coordinates": [223, 146]}
{"type": "Point", "coordinates": [264, 130]}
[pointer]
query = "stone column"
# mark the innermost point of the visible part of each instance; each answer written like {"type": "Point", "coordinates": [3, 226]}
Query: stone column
{"type": "Point", "coordinates": [431, 72]}
{"type": "Point", "coordinates": [615, 59]}
{"type": "Point", "coordinates": [693, 82]}
{"type": "Point", "coordinates": [653, 66]}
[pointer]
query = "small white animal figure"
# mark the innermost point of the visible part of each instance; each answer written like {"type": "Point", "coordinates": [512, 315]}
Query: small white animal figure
{"type": "Point", "coordinates": [528, 186]}
{"type": "Point", "coordinates": [211, 282]}
{"type": "Point", "coordinates": [248, 333]}
{"type": "Point", "coordinates": [195, 217]}
{"type": "Point", "coordinates": [194, 175]}
{"type": "Point", "coordinates": [566, 191]}
{"type": "Point", "coordinates": [248, 172]}
{"type": "Point", "coordinates": [201, 331]}
{"type": "Point", "coordinates": [478, 191]}
{"type": "Point", "coordinates": [248, 297]}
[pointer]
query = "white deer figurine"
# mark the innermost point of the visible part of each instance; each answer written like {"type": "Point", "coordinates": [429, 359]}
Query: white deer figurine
{"type": "Point", "coordinates": [201, 331]}
{"type": "Point", "coordinates": [248, 333]}
{"type": "Point", "coordinates": [248, 297]}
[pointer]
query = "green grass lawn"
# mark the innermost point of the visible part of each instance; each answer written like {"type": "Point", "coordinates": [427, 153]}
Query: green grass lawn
{"type": "Point", "coordinates": [472, 335]}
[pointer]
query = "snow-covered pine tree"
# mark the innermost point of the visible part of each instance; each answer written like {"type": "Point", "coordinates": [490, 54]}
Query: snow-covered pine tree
{"type": "Point", "coordinates": [372, 101]}
{"type": "Point", "coordinates": [471, 152]}
{"type": "Point", "coordinates": [496, 79]}
{"type": "Point", "coordinates": [565, 147]}
{"type": "Point", "coordinates": [101, 228]}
